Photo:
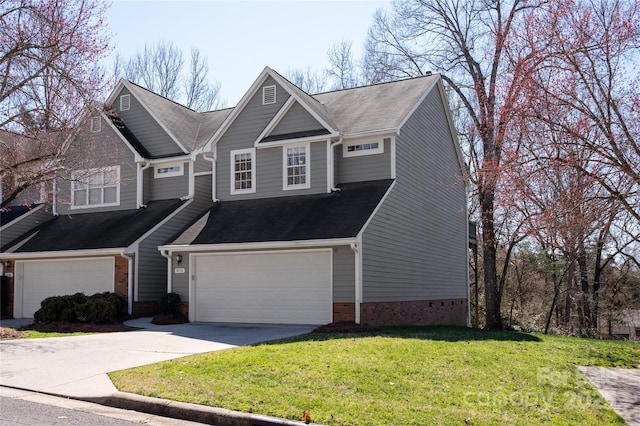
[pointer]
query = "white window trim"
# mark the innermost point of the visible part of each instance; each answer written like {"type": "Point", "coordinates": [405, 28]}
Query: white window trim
{"type": "Point", "coordinates": [158, 175]}
{"type": "Point", "coordinates": [125, 102]}
{"type": "Point", "coordinates": [96, 124]}
{"type": "Point", "coordinates": [232, 168]}
{"type": "Point", "coordinates": [265, 101]}
{"type": "Point", "coordinates": [88, 172]}
{"type": "Point", "coordinates": [378, 150]}
{"type": "Point", "coordinates": [307, 184]}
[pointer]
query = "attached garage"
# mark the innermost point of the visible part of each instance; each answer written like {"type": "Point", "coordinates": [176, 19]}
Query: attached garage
{"type": "Point", "coordinates": [35, 280]}
{"type": "Point", "coordinates": [290, 287]}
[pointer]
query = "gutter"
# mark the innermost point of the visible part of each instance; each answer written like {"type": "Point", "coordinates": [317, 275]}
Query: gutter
{"type": "Point", "coordinates": [141, 169]}
{"type": "Point", "coordinates": [265, 245]}
{"type": "Point", "coordinates": [332, 171]}
{"type": "Point", "coordinates": [63, 254]}
{"type": "Point", "coordinates": [214, 162]}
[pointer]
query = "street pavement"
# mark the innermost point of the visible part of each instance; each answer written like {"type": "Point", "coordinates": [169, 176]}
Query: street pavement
{"type": "Point", "coordinates": [620, 387]}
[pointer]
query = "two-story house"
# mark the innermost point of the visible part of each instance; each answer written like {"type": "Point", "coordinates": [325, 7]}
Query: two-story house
{"type": "Point", "coordinates": [288, 208]}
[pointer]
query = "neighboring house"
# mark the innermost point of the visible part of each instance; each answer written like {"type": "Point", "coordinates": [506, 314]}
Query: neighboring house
{"type": "Point", "coordinates": [289, 208]}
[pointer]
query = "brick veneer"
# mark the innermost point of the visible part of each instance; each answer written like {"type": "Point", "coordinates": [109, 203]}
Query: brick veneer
{"type": "Point", "coordinates": [121, 276]}
{"type": "Point", "coordinates": [423, 312]}
{"type": "Point", "coordinates": [344, 312]}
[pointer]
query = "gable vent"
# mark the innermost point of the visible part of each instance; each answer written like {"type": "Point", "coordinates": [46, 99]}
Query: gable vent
{"type": "Point", "coordinates": [125, 102]}
{"type": "Point", "coordinates": [268, 95]}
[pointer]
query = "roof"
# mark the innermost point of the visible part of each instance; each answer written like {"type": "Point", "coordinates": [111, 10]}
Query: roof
{"type": "Point", "coordinates": [9, 214]}
{"type": "Point", "coordinates": [86, 231]}
{"type": "Point", "coordinates": [375, 108]}
{"type": "Point", "coordinates": [291, 218]}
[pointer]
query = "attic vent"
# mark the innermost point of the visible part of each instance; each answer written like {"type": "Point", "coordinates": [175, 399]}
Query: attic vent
{"type": "Point", "coordinates": [268, 95]}
{"type": "Point", "coordinates": [125, 102]}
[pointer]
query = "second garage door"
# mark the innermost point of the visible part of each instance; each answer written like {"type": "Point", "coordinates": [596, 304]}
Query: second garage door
{"type": "Point", "coordinates": [39, 279]}
{"type": "Point", "coordinates": [265, 287]}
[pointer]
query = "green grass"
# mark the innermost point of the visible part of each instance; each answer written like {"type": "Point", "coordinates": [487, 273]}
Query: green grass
{"type": "Point", "coordinates": [401, 376]}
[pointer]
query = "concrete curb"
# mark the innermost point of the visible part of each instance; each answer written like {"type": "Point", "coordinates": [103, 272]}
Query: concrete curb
{"type": "Point", "coordinates": [188, 411]}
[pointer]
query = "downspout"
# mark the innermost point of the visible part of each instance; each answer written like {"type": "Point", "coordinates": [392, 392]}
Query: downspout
{"type": "Point", "coordinates": [332, 167]}
{"type": "Point", "coordinates": [214, 162]}
{"type": "Point", "coordinates": [54, 200]}
{"type": "Point", "coordinates": [141, 169]}
{"type": "Point", "coordinates": [189, 196]}
{"type": "Point", "coordinates": [358, 278]}
{"type": "Point", "coordinates": [129, 258]}
{"type": "Point", "coordinates": [167, 254]}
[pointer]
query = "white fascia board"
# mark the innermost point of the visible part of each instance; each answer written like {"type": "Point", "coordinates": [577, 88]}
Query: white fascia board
{"type": "Point", "coordinates": [285, 85]}
{"type": "Point", "coordinates": [161, 223]}
{"type": "Point", "coordinates": [237, 109]}
{"type": "Point", "coordinates": [375, 211]}
{"type": "Point", "coordinates": [114, 94]}
{"type": "Point", "coordinates": [171, 135]}
{"type": "Point", "coordinates": [18, 219]}
{"type": "Point", "coordinates": [164, 160]}
{"type": "Point", "coordinates": [308, 139]}
{"type": "Point", "coordinates": [64, 254]}
{"type": "Point", "coordinates": [382, 133]}
{"type": "Point", "coordinates": [257, 246]}
{"type": "Point", "coordinates": [137, 157]}
{"type": "Point", "coordinates": [454, 133]}
{"type": "Point", "coordinates": [275, 120]}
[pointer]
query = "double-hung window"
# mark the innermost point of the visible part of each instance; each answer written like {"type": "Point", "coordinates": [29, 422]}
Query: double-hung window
{"type": "Point", "coordinates": [95, 187]}
{"type": "Point", "coordinates": [296, 167]}
{"type": "Point", "coordinates": [243, 171]}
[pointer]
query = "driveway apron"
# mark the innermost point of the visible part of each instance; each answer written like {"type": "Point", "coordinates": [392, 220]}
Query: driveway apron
{"type": "Point", "coordinates": [76, 366]}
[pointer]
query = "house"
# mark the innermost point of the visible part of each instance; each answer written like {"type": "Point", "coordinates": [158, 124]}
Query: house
{"type": "Point", "coordinates": [288, 208]}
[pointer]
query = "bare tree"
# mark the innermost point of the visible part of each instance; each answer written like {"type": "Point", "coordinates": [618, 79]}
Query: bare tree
{"type": "Point", "coordinates": [48, 77]}
{"type": "Point", "coordinates": [308, 80]}
{"type": "Point", "coordinates": [161, 68]}
{"type": "Point", "coordinates": [467, 42]}
{"type": "Point", "coordinates": [343, 69]}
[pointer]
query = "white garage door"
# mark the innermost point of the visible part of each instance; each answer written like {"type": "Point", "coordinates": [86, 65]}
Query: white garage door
{"type": "Point", "coordinates": [39, 279]}
{"type": "Point", "coordinates": [276, 288]}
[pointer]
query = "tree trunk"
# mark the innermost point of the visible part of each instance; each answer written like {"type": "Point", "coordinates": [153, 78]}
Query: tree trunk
{"type": "Point", "coordinates": [491, 289]}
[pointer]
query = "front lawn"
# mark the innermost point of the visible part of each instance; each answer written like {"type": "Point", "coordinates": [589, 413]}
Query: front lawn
{"type": "Point", "coordinates": [399, 376]}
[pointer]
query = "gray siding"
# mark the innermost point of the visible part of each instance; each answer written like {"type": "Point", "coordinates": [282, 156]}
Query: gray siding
{"type": "Point", "coordinates": [152, 267]}
{"type": "Point", "coordinates": [344, 264]}
{"type": "Point", "coordinates": [180, 283]}
{"type": "Point", "coordinates": [107, 149]}
{"type": "Point", "coordinates": [363, 167]}
{"type": "Point", "coordinates": [147, 130]}
{"type": "Point", "coordinates": [202, 165]}
{"type": "Point", "coordinates": [415, 247]}
{"type": "Point", "coordinates": [166, 188]}
{"type": "Point", "coordinates": [297, 119]}
{"type": "Point", "coordinates": [24, 223]}
{"type": "Point", "coordinates": [269, 181]}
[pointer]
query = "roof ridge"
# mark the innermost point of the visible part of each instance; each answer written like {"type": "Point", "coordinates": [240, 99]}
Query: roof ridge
{"type": "Point", "coordinates": [431, 74]}
{"type": "Point", "coordinates": [163, 97]}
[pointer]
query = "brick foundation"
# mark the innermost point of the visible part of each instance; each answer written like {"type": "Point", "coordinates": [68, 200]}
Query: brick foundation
{"type": "Point", "coordinates": [423, 312]}
{"type": "Point", "coordinates": [184, 309]}
{"type": "Point", "coordinates": [344, 312]}
{"type": "Point", "coordinates": [121, 284]}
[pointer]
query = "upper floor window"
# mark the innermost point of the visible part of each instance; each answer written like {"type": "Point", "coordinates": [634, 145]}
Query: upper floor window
{"type": "Point", "coordinates": [358, 148]}
{"type": "Point", "coordinates": [95, 187]}
{"type": "Point", "coordinates": [96, 124]}
{"type": "Point", "coordinates": [296, 167]}
{"type": "Point", "coordinates": [243, 171]}
{"type": "Point", "coordinates": [125, 102]}
{"type": "Point", "coordinates": [168, 170]}
{"type": "Point", "coordinates": [268, 95]}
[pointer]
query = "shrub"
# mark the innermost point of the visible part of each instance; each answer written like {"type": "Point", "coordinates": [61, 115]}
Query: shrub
{"type": "Point", "coordinates": [170, 304]}
{"type": "Point", "coordinates": [100, 308]}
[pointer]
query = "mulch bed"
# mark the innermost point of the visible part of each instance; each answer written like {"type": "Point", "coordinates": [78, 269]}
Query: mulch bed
{"type": "Point", "coordinates": [72, 327]}
{"type": "Point", "coordinates": [345, 327]}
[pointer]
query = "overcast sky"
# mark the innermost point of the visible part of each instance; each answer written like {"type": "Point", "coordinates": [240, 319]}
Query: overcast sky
{"type": "Point", "coordinates": [240, 38]}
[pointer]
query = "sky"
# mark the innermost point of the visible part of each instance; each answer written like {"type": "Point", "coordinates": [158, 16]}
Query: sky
{"type": "Point", "coordinates": [240, 38]}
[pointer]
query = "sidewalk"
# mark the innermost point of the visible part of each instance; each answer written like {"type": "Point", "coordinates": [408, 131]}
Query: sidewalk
{"type": "Point", "coordinates": [620, 387]}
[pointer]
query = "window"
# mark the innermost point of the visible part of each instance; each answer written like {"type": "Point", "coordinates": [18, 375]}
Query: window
{"type": "Point", "coordinates": [268, 95]}
{"type": "Point", "coordinates": [243, 171]}
{"type": "Point", "coordinates": [168, 170]}
{"type": "Point", "coordinates": [96, 124]}
{"type": "Point", "coordinates": [356, 149]}
{"type": "Point", "coordinates": [95, 187]}
{"type": "Point", "coordinates": [296, 167]}
{"type": "Point", "coordinates": [125, 102]}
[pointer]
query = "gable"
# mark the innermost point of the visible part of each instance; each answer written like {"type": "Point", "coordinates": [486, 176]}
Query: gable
{"type": "Point", "coordinates": [296, 123]}
{"type": "Point", "coordinates": [148, 132]}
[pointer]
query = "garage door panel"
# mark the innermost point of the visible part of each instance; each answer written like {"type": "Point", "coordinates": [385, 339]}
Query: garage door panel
{"type": "Point", "coordinates": [46, 278]}
{"type": "Point", "coordinates": [287, 288]}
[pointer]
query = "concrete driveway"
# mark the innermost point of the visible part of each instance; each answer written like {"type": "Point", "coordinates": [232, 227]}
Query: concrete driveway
{"type": "Point", "coordinates": [76, 366]}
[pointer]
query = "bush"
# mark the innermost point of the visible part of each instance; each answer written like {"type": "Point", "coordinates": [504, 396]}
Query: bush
{"type": "Point", "coordinates": [170, 304]}
{"type": "Point", "coordinates": [100, 308]}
